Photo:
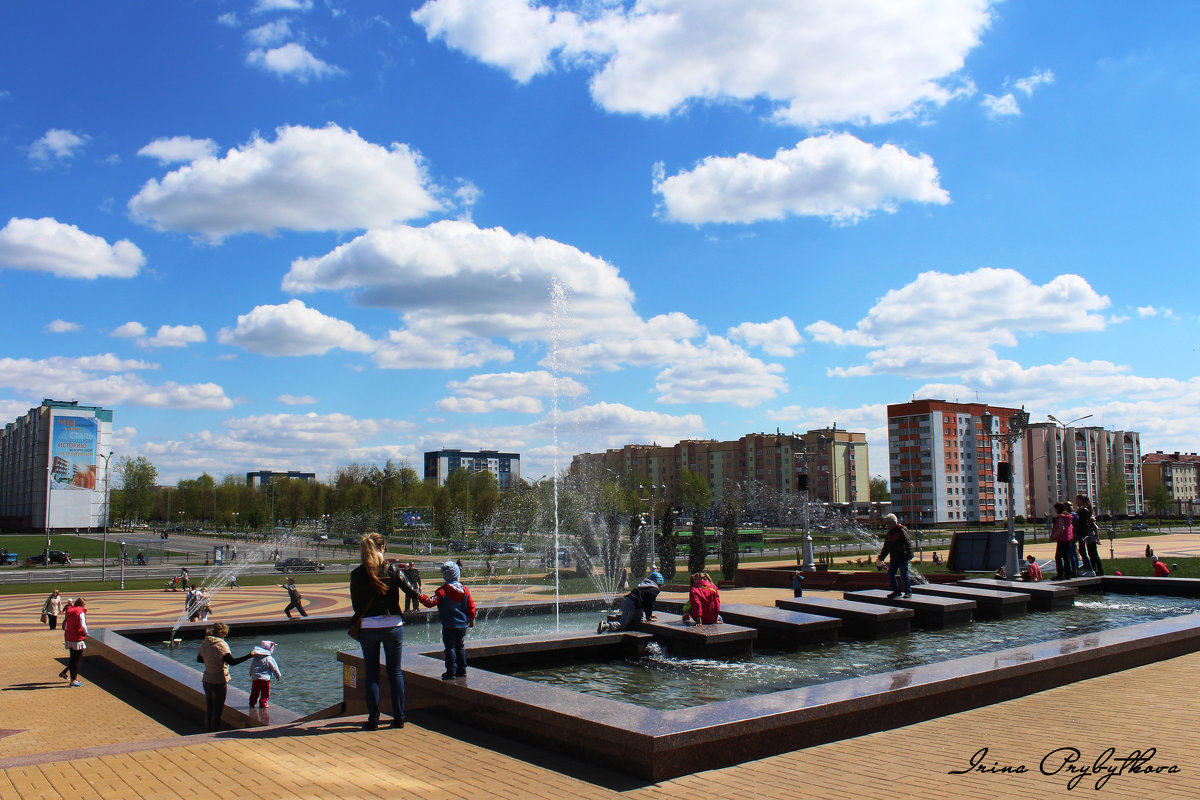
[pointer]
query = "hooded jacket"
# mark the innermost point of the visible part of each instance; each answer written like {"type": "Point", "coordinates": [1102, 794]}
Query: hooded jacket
{"type": "Point", "coordinates": [453, 600]}
{"type": "Point", "coordinates": [262, 664]}
{"type": "Point", "coordinates": [644, 595]}
{"type": "Point", "coordinates": [704, 603]}
{"type": "Point", "coordinates": [75, 624]}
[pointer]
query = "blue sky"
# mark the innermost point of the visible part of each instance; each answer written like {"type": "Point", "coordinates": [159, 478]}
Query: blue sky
{"type": "Point", "coordinates": [291, 234]}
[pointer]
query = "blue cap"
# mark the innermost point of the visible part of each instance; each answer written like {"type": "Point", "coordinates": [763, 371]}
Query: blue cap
{"type": "Point", "coordinates": [657, 577]}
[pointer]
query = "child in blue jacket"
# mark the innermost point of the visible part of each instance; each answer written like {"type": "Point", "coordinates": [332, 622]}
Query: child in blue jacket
{"type": "Point", "coordinates": [457, 610]}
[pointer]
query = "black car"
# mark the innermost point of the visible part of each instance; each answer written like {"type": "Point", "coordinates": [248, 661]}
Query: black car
{"type": "Point", "coordinates": [56, 557]}
{"type": "Point", "coordinates": [298, 565]}
{"type": "Point", "coordinates": [352, 540]}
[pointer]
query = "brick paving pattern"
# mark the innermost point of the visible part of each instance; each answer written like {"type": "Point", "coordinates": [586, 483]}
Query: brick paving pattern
{"type": "Point", "coordinates": [47, 728]}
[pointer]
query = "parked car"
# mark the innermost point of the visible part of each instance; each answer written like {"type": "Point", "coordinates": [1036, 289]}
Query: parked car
{"type": "Point", "coordinates": [56, 557]}
{"type": "Point", "coordinates": [511, 547]}
{"type": "Point", "coordinates": [456, 544]}
{"type": "Point", "coordinates": [298, 565]}
{"type": "Point", "coordinates": [1140, 526]}
{"type": "Point", "coordinates": [320, 537]}
{"type": "Point", "coordinates": [352, 540]}
{"type": "Point", "coordinates": [490, 548]}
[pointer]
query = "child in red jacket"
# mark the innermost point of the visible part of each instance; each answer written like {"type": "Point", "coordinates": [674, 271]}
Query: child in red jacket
{"type": "Point", "coordinates": [704, 601]}
{"type": "Point", "coordinates": [457, 610]}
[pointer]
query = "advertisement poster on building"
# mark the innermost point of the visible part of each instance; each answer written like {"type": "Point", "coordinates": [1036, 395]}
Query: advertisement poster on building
{"type": "Point", "coordinates": [73, 453]}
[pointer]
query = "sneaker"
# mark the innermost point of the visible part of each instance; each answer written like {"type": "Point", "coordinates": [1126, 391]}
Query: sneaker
{"type": "Point", "coordinates": [601, 626]}
{"type": "Point", "coordinates": [397, 723]}
{"type": "Point", "coordinates": [371, 725]}
{"type": "Point", "coordinates": [893, 594]}
{"type": "Point", "coordinates": [264, 705]}
{"type": "Point", "coordinates": [77, 683]}
{"type": "Point", "coordinates": [447, 676]}
{"type": "Point", "coordinates": [908, 594]}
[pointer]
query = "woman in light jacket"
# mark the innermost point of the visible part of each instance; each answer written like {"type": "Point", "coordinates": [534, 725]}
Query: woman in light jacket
{"type": "Point", "coordinates": [52, 608]}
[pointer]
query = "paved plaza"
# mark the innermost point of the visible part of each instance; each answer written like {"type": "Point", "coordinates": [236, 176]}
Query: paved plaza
{"type": "Point", "coordinates": [104, 741]}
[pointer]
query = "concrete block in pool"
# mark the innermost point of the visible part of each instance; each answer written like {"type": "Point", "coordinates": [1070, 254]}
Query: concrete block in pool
{"type": "Point", "coordinates": [721, 640]}
{"type": "Point", "coordinates": [1042, 596]}
{"type": "Point", "coordinates": [859, 620]}
{"type": "Point", "coordinates": [929, 611]}
{"type": "Point", "coordinates": [783, 630]}
{"type": "Point", "coordinates": [989, 603]}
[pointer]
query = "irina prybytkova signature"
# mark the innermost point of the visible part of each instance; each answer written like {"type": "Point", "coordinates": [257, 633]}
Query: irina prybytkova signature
{"type": "Point", "coordinates": [1069, 761]}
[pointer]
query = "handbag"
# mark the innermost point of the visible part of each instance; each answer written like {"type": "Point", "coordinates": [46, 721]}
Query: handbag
{"type": "Point", "coordinates": [355, 628]}
{"type": "Point", "coordinates": [43, 616]}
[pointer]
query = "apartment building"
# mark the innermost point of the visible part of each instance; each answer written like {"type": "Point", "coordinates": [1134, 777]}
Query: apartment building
{"type": "Point", "coordinates": [831, 464]}
{"type": "Point", "coordinates": [1179, 474]}
{"type": "Point", "coordinates": [439, 464]}
{"type": "Point", "coordinates": [1062, 462]}
{"type": "Point", "coordinates": [943, 462]}
{"type": "Point", "coordinates": [53, 468]}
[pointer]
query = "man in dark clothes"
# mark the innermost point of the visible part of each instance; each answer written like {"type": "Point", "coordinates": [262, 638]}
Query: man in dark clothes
{"type": "Point", "coordinates": [633, 605]}
{"type": "Point", "coordinates": [900, 550]}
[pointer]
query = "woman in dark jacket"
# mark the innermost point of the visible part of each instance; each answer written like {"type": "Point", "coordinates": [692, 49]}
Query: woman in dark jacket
{"type": "Point", "coordinates": [1088, 534]}
{"type": "Point", "coordinates": [375, 587]}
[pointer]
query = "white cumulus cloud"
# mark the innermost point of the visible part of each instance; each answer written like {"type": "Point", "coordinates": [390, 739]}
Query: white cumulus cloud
{"type": "Point", "coordinates": [176, 336]}
{"type": "Point", "coordinates": [507, 391]}
{"type": "Point", "coordinates": [56, 144]}
{"type": "Point", "coordinates": [1003, 106]}
{"type": "Point", "coordinates": [307, 179]}
{"type": "Point", "coordinates": [293, 329]}
{"type": "Point", "coordinates": [175, 149]}
{"type": "Point", "coordinates": [291, 60]}
{"type": "Point", "coordinates": [297, 400]}
{"type": "Point", "coordinates": [47, 245]}
{"type": "Point", "coordinates": [1040, 77]}
{"type": "Point", "coordinates": [62, 326]}
{"type": "Point", "coordinates": [130, 330]}
{"type": "Point", "coordinates": [106, 380]}
{"type": "Point", "coordinates": [943, 324]}
{"type": "Point", "coordinates": [265, 6]}
{"type": "Point", "coordinates": [835, 176]}
{"type": "Point", "coordinates": [815, 62]}
{"type": "Point", "coordinates": [778, 337]}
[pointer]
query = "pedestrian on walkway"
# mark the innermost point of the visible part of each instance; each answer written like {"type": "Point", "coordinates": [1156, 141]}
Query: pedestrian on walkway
{"type": "Point", "coordinates": [413, 576]}
{"type": "Point", "coordinates": [899, 551]}
{"type": "Point", "coordinates": [74, 633]}
{"type": "Point", "coordinates": [215, 656]}
{"type": "Point", "coordinates": [375, 587]}
{"type": "Point", "coordinates": [294, 598]}
{"type": "Point", "coordinates": [51, 609]}
{"type": "Point", "coordinates": [797, 584]}
{"type": "Point", "coordinates": [1063, 534]}
{"type": "Point", "coordinates": [1088, 533]}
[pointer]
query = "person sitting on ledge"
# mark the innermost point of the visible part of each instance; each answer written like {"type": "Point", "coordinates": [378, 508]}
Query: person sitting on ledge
{"type": "Point", "coordinates": [633, 605]}
{"type": "Point", "coordinates": [1000, 574]}
{"type": "Point", "coordinates": [1032, 571]}
{"type": "Point", "coordinates": [703, 605]}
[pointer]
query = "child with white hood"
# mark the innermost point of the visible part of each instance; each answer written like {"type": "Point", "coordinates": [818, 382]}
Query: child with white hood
{"type": "Point", "coordinates": [262, 668]}
{"type": "Point", "coordinates": [457, 610]}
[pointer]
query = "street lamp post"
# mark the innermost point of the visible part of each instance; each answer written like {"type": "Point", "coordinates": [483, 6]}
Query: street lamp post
{"type": "Point", "coordinates": [1016, 429]}
{"type": "Point", "coordinates": [104, 547]}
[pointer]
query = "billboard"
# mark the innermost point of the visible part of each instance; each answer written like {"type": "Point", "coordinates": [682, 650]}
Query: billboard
{"type": "Point", "coordinates": [74, 440]}
{"type": "Point", "coordinates": [73, 453]}
{"type": "Point", "coordinates": [409, 518]}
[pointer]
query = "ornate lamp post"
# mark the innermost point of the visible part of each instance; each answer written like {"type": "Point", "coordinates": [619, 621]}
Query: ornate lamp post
{"type": "Point", "coordinates": [1016, 429]}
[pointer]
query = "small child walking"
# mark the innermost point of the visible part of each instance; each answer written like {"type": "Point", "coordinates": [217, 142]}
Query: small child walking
{"type": "Point", "coordinates": [457, 610]}
{"type": "Point", "coordinates": [262, 668]}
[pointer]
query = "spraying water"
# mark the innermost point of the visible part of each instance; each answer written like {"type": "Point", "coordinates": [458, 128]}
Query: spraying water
{"type": "Point", "coordinates": [558, 307]}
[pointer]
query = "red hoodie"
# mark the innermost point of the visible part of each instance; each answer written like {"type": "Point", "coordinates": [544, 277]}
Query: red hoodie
{"type": "Point", "coordinates": [704, 603]}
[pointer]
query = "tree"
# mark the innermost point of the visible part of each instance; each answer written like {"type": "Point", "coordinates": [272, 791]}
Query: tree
{"type": "Point", "coordinates": [1160, 501]}
{"type": "Point", "coordinates": [1112, 489]}
{"type": "Point", "coordinates": [668, 547]}
{"type": "Point", "coordinates": [879, 489]}
{"type": "Point", "coordinates": [729, 539]}
{"type": "Point", "coordinates": [134, 500]}
{"type": "Point", "coordinates": [697, 497]}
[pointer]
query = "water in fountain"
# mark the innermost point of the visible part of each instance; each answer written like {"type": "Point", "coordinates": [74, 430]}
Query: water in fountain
{"type": "Point", "coordinates": [227, 573]}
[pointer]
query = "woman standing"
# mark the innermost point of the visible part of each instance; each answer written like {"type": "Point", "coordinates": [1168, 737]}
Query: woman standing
{"type": "Point", "coordinates": [51, 609]}
{"type": "Point", "coordinates": [214, 654]}
{"type": "Point", "coordinates": [1088, 533]}
{"type": "Point", "coordinates": [74, 632]}
{"type": "Point", "coordinates": [1063, 534]}
{"type": "Point", "coordinates": [375, 587]}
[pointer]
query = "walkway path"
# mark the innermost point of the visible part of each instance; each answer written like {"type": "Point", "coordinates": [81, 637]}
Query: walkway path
{"type": "Point", "coordinates": [137, 750]}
